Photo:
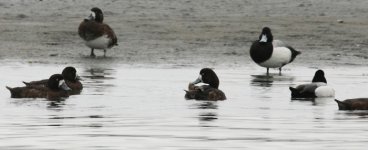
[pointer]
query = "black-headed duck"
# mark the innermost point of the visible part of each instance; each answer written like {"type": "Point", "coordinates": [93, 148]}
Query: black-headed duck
{"type": "Point", "coordinates": [205, 92]}
{"type": "Point", "coordinates": [95, 33]}
{"type": "Point", "coordinates": [271, 54]}
{"type": "Point", "coordinates": [318, 88]}
{"type": "Point", "coordinates": [56, 88]}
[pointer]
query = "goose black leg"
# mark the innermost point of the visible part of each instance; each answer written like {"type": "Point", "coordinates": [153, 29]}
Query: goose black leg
{"type": "Point", "coordinates": [104, 52]}
{"type": "Point", "coordinates": [268, 71]}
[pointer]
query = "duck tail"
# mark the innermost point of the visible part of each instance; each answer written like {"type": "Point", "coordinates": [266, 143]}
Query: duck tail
{"type": "Point", "coordinates": [342, 105]}
{"type": "Point", "coordinates": [12, 91]}
{"type": "Point", "coordinates": [294, 53]}
{"type": "Point", "coordinates": [26, 83]}
{"type": "Point", "coordinates": [292, 89]}
{"type": "Point", "coordinates": [9, 88]}
{"type": "Point", "coordinates": [189, 95]}
{"type": "Point", "coordinates": [294, 92]}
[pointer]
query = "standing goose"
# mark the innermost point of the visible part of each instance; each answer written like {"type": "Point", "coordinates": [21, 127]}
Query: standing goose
{"type": "Point", "coordinates": [95, 33]}
{"type": "Point", "coordinates": [271, 54]}
{"type": "Point", "coordinates": [318, 88]}
{"type": "Point", "coordinates": [205, 92]}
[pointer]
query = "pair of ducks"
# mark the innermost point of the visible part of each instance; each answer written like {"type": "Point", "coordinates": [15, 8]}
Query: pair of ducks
{"type": "Point", "coordinates": [56, 87]}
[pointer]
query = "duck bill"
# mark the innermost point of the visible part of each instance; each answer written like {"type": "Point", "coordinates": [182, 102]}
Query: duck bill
{"type": "Point", "coordinates": [91, 16]}
{"type": "Point", "coordinates": [78, 78]}
{"type": "Point", "coordinates": [263, 38]}
{"type": "Point", "coordinates": [198, 80]}
{"type": "Point", "coordinates": [63, 86]}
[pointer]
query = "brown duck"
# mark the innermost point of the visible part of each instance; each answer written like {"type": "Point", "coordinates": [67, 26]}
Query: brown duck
{"type": "Point", "coordinates": [95, 33]}
{"type": "Point", "coordinates": [205, 92]}
{"type": "Point", "coordinates": [353, 104]}
{"type": "Point", "coordinates": [56, 88]}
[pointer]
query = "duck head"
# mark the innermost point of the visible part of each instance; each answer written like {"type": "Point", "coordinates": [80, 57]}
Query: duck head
{"type": "Point", "coordinates": [56, 82]}
{"type": "Point", "coordinates": [266, 35]}
{"type": "Point", "coordinates": [319, 76]}
{"type": "Point", "coordinates": [70, 74]}
{"type": "Point", "coordinates": [96, 15]}
{"type": "Point", "coordinates": [208, 76]}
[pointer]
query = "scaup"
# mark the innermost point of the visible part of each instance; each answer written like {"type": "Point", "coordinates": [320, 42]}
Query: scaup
{"type": "Point", "coordinates": [205, 92]}
{"type": "Point", "coordinates": [271, 54]}
{"type": "Point", "coordinates": [318, 88]}
{"type": "Point", "coordinates": [95, 33]}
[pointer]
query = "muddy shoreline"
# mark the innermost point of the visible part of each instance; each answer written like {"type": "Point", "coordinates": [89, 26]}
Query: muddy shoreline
{"type": "Point", "coordinates": [185, 33]}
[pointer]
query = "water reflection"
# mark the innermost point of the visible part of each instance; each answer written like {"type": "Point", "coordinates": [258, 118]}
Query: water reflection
{"type": "Point", "coordinates": [360, 113]}
{"type": "Point", "coordinates": [99, 73]}
{"type": "Point", "coordinates": [207, 116]}
{"type": "Point", "coordinates": [262, 80]}
{"type": "Point", "coordinates": [40, 102]}
{"type": "Point", "coordinates": [269, 80]}
{"type": "Point", "coordinates": [95, 78]}
{"type": "Point", "coordinates": [206, 105]}
{"type": "Point", "coordinates": [315, 101]}
{"type": "Point", "coordinates": [56, 104]}
{"type": "Point", "coordinates": [207, 110]}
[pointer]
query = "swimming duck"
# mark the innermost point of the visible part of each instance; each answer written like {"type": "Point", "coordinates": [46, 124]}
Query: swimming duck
{"type": "Point", "coordinates": [56, 88]}
{"type": "Point", "coordinates": [205, 92]}
{"type": "Point", "coordinates": [95, 33]}
{"type": "Point", "coordinates": [318, 88]}
{"type": "Point", "coordinates": [70, 77]}
{"type": "Point", "coordinates": [353, 104]}
{"type": "Point", "coordinates": [271, 54]}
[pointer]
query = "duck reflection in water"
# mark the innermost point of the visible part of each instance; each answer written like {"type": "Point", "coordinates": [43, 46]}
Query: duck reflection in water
{"type": "Point", "coordinates": [262, 80]}
{"type": "Point", "coordinates": [270, 80]}
{"type": "Point", "coordinates": [207, 112]}
{"type": "Point", "coordinates": [207, 116]}
{"type": "Point", "coordinates": [97, 79]}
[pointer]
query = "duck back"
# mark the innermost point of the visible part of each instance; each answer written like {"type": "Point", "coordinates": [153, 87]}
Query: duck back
{"type": "Point", "coordinates": [27, 92]}
{"type": "Point", "coordinates": [205, 92]}
{"type": "Point", "coordinates": [353, 104]}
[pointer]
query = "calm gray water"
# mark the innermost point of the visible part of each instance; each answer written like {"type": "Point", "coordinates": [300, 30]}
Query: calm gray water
{"type": "Point", "coordinates": [126, 107]}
